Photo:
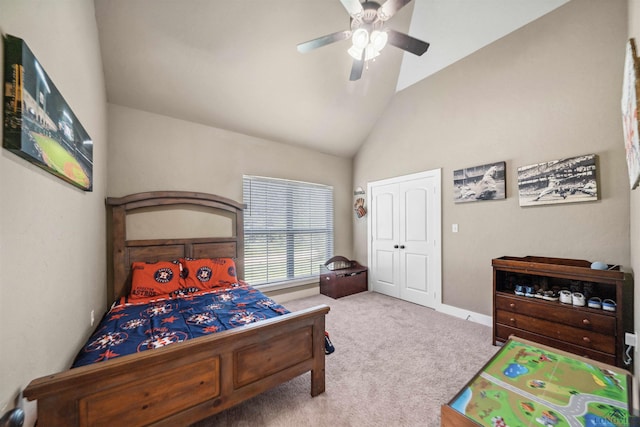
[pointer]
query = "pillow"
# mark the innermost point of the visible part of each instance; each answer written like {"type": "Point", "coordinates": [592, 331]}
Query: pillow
{"type": "Point", "coordinates": [207, 273]}
{"type": "Point", "coordinates": [155, 279]}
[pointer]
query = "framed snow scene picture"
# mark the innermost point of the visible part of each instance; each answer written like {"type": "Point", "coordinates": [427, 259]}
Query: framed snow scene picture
{"type": "Point", "coordinates": [629, 104]}
{"type": "Point", "coordinates": [486, 182]}
{"type": "Point", "coordinates": [39, 125]}
{"type": "Point", "coordinates": [558, 181]}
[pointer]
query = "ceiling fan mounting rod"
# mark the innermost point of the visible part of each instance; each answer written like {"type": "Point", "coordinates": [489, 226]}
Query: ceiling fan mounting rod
{"type": "Point", "coordinates": [369, 18]}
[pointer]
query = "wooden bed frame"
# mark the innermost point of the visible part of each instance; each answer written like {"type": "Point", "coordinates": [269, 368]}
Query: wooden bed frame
{"type": "Point", "coordinates": [184, 382]}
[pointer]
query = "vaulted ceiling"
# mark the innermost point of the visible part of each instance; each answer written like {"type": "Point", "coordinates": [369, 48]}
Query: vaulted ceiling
{"type": "Point", "coordinates": [233, 64]}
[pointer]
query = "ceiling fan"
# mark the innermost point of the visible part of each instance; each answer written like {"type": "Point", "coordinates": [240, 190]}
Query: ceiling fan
{"type": "Point", "coordinates": [368, 33]}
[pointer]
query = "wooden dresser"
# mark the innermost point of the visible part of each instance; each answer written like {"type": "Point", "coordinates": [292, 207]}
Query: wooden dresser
{"type": "Point", "coordinates": [590, 332]}
{"type": "Point", "coordinates": [340, 277]}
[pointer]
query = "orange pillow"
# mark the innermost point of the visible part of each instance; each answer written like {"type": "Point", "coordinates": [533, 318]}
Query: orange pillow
{"type": "Point", "coordinates": [207, 273]}
{"type": "Point", "coordinates": [155, 279]}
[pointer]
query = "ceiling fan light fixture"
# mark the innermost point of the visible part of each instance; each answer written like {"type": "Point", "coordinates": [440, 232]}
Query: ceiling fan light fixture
{"type": "Point", "coordinates": [355, 52]}
{"type": "Point", "coordinates": [370, 52]}
{"type": "Point", "coordinates": [378, 40]}
{"type": "Point", "coordinates": [360, 38]}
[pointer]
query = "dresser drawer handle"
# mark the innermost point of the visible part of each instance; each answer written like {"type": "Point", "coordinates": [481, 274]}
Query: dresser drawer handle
{"type": "Point", "coordinates": [512, 320]}
{"type": "Point", "coordinates": [512, 305]}
{"type": "Point", "coordinates": [586, 321]}
{"type": "Point", "coordinates": [586, 339]}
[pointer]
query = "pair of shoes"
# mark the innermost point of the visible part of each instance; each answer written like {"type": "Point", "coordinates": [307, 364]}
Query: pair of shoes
{"type": "Point", "coordinates": [519, 290]}
{"type": "Point", "coordinates": [609, 305]}
{"type": "Point", "coordinates": [565, 296]}
{"type": "Point", "coordinates": [528, 291]}
{"type": "Point", "coordinates": [594, 302]}
{"type": "Point", "coordinates": [550, 296]}
{"type": "Point", "coordinates": [577, 299]}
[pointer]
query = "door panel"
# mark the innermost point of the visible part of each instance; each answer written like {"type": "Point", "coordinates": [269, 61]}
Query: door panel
{"type": "Point", "coordinates": [384, 204]}
{"type": "Point", "coordinates": [385, 273]}
{"type": "Point", "coordinates": [416, 272]}
{"type": "Point", "coordinates": [414, 215]}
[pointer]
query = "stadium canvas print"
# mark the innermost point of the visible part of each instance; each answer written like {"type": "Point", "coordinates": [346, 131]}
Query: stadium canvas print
{"type": "Point", "coordinates": [559, 181]}
{"type": "Point", "coordinates": [629, 104]}
{"type": "Point", "coordinates": [485, 182]}
{"type": "Point", "coordinates": [39, 126]}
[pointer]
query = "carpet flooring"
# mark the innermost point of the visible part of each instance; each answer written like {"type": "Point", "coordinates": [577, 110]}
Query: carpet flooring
{"type": "Point", "coordinates": [395, 364]}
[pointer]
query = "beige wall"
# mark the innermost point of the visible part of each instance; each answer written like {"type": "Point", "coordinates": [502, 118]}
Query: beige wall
{"type": "Point", "coordinates": [547, 91]}
{"type": "Point", "coordinates": [149, 152]}
{"type": "Point", "coordinates": [634, 31]}
{"type": "Point", "coordinates": [52, 244]}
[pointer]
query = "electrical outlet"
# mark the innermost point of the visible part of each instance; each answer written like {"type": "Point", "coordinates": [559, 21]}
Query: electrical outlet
{"type": "Point", "coordinates": [630, 339]}
{"type": "Point", "coordinates": [93, 317]}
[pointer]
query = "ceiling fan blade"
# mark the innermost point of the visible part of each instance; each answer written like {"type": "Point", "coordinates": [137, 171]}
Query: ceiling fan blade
{"type": "Point", "coordinates": [390, 7]}
{"type": "Point", "coordinates": [354, 7]}
{"type": "Point", "coordinates": [406, 42]}
{"type": "Point", "coordinates": [323, 41]}
{"type": "Point", "coordinates": [356, 69]}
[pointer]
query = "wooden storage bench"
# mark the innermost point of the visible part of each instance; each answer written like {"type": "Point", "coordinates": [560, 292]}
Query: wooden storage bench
{"type": "Point", "coordinates": [340, 277]}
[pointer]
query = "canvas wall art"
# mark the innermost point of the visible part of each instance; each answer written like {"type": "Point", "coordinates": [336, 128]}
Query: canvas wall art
{"type": "Point", "coordinates": [485, 182]}
{"type": "Point", "coordinates": [629, 104]}
{"type": "Point", "coordinates": [39, 125]}
{"type": "Point", "coordinates": [558, 181]}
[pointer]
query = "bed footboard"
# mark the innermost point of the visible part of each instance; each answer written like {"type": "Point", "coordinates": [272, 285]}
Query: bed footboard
{"type": "Point", "coordinates": [186, 382]}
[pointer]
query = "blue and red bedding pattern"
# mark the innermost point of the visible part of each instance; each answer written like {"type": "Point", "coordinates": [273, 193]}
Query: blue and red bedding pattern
{"type": "Point", "coordinates": [133, 327]}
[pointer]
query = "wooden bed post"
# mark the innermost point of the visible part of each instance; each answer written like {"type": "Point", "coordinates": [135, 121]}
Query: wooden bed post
{"type": "Point", "coordinates": [240, 244]}
{"type": "Point", "coordinates": [118, 237]}
{"type": "Point", "coordinates": [317, 372]}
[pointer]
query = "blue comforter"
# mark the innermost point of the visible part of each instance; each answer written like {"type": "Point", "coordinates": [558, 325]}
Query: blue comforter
{"type": "Point", "coordinates": [139, 326]}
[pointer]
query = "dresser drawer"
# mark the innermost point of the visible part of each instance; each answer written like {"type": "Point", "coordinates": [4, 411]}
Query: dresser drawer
{"type": "Point", "coordinates": [583, 338]}
{"type": "Point", "coordinates": [557, 312]}
{"type": "Point", "coordinates": [503, 333]}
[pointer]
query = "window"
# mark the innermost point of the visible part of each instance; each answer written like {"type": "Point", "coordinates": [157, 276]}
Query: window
{"type": "Point", "coordinates": [288, 229]}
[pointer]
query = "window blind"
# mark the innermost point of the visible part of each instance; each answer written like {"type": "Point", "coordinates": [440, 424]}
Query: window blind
{"type": "Point", "coordinates": [288, 229]}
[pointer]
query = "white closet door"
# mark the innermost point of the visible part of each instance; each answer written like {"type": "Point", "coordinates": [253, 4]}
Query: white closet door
{"type": "Point", "coordinates": [405, 238]}
{"type": "Point", "coordinates": [385, 258]}
{"type": "Point", "coordinates": [417, 241]}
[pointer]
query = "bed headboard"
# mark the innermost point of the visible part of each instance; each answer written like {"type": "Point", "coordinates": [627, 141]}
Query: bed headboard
{"type": "Point", "coordinates": [123, 252]}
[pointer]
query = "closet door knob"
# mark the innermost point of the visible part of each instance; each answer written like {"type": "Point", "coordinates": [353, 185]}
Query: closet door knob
{"type": "Point", "coordinates": [401, 246]}
{"type": "Point", "coordinates": [395, 246]}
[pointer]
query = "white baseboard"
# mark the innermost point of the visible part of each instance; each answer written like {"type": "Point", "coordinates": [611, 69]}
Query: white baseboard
{"type": "Point", "coordinates": [466, 314]}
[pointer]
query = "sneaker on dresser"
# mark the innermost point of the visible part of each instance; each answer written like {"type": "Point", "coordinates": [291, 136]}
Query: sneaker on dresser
{"type": "Point", "coordinates": [565, 296]}
{"type": "Point", "coordinates": [550, 296]}
{"type": "Point", "coordinates": [578, 299]}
